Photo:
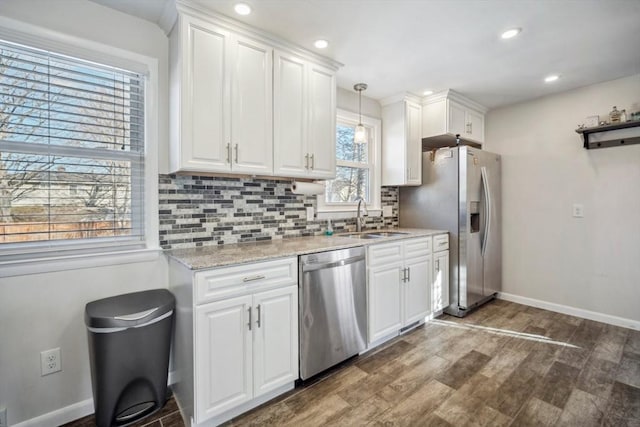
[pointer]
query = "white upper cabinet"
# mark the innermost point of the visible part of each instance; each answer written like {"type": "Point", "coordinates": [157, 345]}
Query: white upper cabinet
{"type": "Point", "coordinates": [231, 96]}
{"type": "Point", "coordinates": [221, 87]}
{"type": "Point", "coordinates": [322, 122]}
{"type": "Point", "coordinates": [447, 113]}
{"type": "Point", "coordinates": [251, 109]}
{"type": "Point", "coordinates": [200, 130]}
{"type": "Point", "coordinates": [304, 101]}
{"type": "Point", "coordinates": [401, 141]}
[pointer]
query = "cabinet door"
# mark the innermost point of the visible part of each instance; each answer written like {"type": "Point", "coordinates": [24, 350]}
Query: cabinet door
{"type": "Point", "coordinates": [457, 121]}
{"type": "Point", "coordinates": [416, 289]}
{"type": "Point", "coordinates": [289, 116]}
{"type": "Point", "coordinates": [414, 144]}
{"type": "Point", "coordinates": [475, 126]}
{"type": "Point", "coordinates": [385, 315]}
{"type": "Point", "coordinates": [223, 356]}
{"type": "Point", "coordinates": [204, 116]}
{"type": "Point", "coordinates": [322, 123]}
{"type": "Point", "coordinates": [275, 332]}
{"type": "Point", "coordinates": [440, 281]}
{"type": "Point", "coordinates": [251, 107]}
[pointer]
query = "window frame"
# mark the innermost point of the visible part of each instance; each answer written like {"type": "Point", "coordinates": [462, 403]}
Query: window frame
{"type": "Point", "coordinates": [348, 209]}
{"type": "Point", "coordinates": [47, 256]}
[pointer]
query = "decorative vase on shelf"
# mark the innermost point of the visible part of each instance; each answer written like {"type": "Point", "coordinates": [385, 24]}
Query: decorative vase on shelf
{"type": "Point", "coordinates": [614, 115]}
{"type": "Point", "coordinates": [623, 116]}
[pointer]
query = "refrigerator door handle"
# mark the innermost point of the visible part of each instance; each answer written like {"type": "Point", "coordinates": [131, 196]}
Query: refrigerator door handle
{"type": "Point", "coordinates": [487, 208]}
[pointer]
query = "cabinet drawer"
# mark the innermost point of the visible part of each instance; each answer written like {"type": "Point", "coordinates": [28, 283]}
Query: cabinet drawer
{"type": "Point", "coordinates": [440, 242]}
{"type": "Point", "coordinates": [417, 247]}
{"type": "Point", "coordinates": [384, 253]}
{"type": "Point", "coordinates": [235, 280]}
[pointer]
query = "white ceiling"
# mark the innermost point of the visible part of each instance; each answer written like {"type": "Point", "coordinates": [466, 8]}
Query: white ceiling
{"type": "Point", "coordinates": [413, 45]}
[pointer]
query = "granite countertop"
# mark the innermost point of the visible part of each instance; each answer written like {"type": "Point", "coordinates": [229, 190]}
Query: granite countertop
{"type": "Point", "coordinates": [240, 253]}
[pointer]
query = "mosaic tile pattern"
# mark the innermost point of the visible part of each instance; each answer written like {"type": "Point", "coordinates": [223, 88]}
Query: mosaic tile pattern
{"type": "Point", "coordinates": [203, 210]}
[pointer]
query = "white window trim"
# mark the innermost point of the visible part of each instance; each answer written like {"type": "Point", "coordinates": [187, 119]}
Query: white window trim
{"type": "Point", "coordinates": [41, 38]}
{"type": "Point", "coordinates": [349, 210]}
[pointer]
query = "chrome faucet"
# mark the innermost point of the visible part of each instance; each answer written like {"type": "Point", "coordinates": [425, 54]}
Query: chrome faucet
{"type": "Point", "coordinates": [360, 220]}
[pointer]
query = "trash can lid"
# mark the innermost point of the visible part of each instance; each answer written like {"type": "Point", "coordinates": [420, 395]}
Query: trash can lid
{"type": "Point", "coordinates": [129, 310]}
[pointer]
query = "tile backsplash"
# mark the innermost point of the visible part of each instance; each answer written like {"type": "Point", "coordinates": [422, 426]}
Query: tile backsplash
{"type": "Point", "coordinates": [203, 210]}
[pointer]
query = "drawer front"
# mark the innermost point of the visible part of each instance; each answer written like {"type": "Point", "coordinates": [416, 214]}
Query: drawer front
{"type": "Point", "coordinates": [440, 242]}
{"type": "Point", "coordinates": [417, 247]}
{"type": "Point", "coordinates": [224, 282]}
{"type": "Point", "coordinates": [384, 253]}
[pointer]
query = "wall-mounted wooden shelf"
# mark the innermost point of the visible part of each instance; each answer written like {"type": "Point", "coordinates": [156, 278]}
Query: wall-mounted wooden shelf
{"type": "Point", "coordinates": [613, 142]}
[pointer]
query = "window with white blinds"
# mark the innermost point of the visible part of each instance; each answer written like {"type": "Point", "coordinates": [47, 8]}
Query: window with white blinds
{"type": "Point", "coordinates": [71, 152]}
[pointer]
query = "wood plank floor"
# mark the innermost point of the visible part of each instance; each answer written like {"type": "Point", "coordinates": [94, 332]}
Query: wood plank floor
{"type": "Point", "coordinates": [504, 365]}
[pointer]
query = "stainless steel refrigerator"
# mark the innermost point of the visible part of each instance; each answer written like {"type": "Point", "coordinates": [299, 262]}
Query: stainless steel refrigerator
{"type": "Point", "coordinates": [460, 192]}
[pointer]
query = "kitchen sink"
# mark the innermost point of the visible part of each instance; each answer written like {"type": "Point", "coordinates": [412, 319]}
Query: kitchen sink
{"type": "Point", "coordinates": [387, 234]}
{"type": "Point", "coordinates": [361, 236]}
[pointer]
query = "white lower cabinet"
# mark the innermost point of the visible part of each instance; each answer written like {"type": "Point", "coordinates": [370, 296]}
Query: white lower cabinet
{"type": "Point", "coordinates": [440, 278]}
{"type": "Point", "coordinates": [399, 285]}
{"type": "Point", "coordinates": [224, 356]}
{"type": "Point", "coordinates": [245, 347]}
{"type": "Point", "coordinates": [236, 339]}
{"type": "Point", "coordinates": [440, 282]}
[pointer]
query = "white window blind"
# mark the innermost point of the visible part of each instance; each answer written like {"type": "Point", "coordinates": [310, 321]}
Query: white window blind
{"type": "Point", "coordinates": [71, 152]}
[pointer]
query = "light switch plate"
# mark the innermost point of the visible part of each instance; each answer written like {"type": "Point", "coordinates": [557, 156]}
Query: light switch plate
{"type": "Point", "coordinates": [387, 211]}
{"type": "Point", "coordinates": [310, 213]}
{"type": "Point", "coordinates": [578, 210]}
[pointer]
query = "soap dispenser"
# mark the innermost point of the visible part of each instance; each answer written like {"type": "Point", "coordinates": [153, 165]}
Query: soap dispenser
{"type": "Point", "coordinates": [329, 231]}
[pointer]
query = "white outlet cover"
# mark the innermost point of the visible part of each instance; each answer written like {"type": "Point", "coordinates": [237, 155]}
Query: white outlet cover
{"type": "Point", "coordinates": [50, 361]}
{"type": "Point", "coordinates": [310, 213]}
{"type": "Point", "coordinates": [387, 211]}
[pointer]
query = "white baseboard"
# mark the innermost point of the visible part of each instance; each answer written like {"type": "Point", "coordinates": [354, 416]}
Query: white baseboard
{"type": "Point", "coordinates": [60, 416]}
{"type": "Point", "coordinates": [69, 413]}
{"type": "Point", "coordinates": [572, 311]}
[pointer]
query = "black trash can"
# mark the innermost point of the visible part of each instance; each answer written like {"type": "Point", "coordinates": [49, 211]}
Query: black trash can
{"type": "Point", "coordinates": [129, 341]}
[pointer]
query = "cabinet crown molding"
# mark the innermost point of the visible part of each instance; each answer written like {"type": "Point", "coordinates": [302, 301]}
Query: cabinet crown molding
{"type": "Point", "coordinates": [197, 10]}
{"type": "Point", "coordinates": [454, 96]}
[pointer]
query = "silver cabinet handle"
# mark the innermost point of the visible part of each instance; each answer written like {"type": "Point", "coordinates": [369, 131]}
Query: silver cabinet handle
{"type": "Point", "coordinates": [408, 274]}
{"type": "Point", "coordinates": [236, 148]}
{"type": "Point", "coordinates": [403, 275]}
{"type": "Point", "coordinates": [306, 161]}
{"type": "Point", "coordinates": [312, 161]}
{"type": "Point", "coordinates": [252, 278]}
{"type": "Point", "coordinates": [471, 127]}
{"type": "Point", "coordinates": [258, 321]}
{"type": "Point", "coordinates": [228, 152]}
{"type": "Point", "coordinates": [249, 324]}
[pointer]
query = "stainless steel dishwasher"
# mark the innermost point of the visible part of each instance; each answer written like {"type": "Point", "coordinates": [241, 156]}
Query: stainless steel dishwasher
{"type": "Point", "coordinates": [333, 308]}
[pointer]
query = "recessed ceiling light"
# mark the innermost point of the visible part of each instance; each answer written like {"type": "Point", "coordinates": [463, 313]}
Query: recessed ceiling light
{"type": "Point", "coordinates": [427, 92]}
{"type": "Point", "coordinates": [321, 44]}
{"type": "Point", "coordinates": [242, 9]}
{"type": "Point", "coordinates": [511, 33]}
{"type": "Point", "coordinates": [551, 78]}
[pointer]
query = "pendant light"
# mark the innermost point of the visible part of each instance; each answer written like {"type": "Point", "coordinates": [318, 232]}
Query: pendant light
{"type": "Point", "coordinates": [360, 136]}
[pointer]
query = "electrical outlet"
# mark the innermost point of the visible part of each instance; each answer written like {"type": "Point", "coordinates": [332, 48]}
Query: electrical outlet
{"type": "Point", "coordinates": [387, 211]}
{"type": "Point", "coordinates": [310, 213]}
{"type": "Point", "coordinates": [50, 361]}
{"type": "Point", "coordinates": [3, 417]}
{"type": "Point", "coordinates": [578, 210]}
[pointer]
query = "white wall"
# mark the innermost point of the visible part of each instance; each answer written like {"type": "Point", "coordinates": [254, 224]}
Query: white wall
{"type": "Point", "coordinates": [591, 263]}
{"type": "Point", "coordinates": [348, 100]}
{"type": "Point", "coordinates": [42, 311]}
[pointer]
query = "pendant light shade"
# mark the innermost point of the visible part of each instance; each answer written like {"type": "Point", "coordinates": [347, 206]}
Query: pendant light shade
{"type": "Point", "coordinates": [360, 136]}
